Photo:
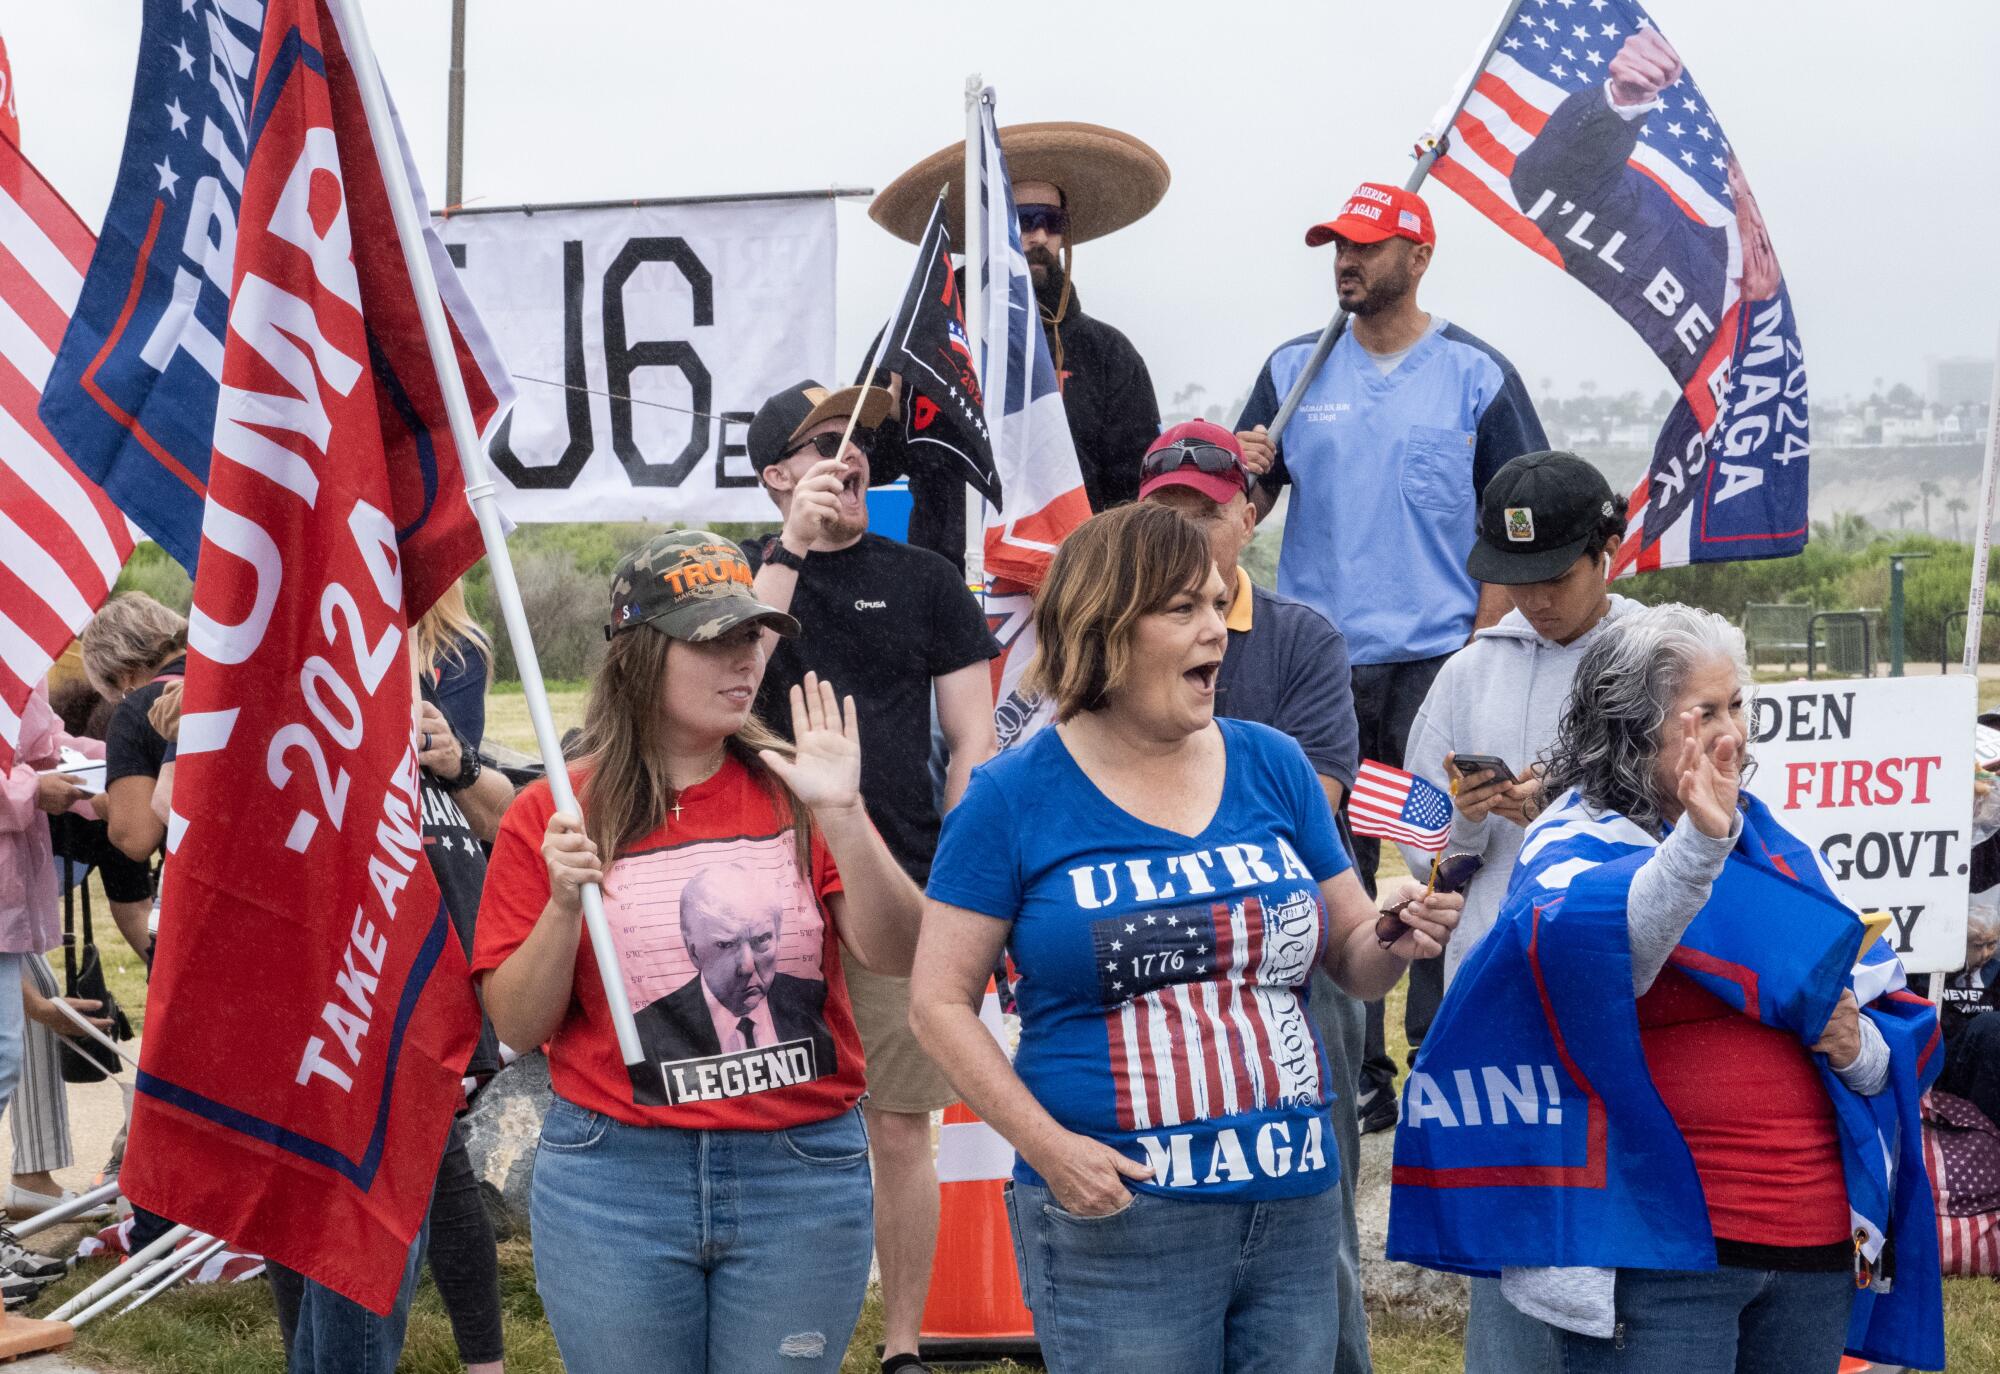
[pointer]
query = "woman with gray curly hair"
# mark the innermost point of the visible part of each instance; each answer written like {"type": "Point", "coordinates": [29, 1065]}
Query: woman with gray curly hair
{"type": "Point", "coordinates": [1646, 829]}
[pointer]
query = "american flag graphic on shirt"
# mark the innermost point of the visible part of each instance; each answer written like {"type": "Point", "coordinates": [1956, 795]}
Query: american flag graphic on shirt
{"type": "Point", "coordinates": [1203, 1016]}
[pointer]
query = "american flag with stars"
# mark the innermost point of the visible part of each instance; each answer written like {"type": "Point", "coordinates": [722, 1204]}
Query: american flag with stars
{"type": "Point", "coordinates": [1201, 1016]}
{"type": "Point", "coordinates": [1390, 804]}
{"type": "Point", "coordinates": [1647, 205]}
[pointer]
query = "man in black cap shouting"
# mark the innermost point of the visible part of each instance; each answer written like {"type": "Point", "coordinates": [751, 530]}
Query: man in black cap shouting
{"type": "Point", "coordinates": [895, 626]}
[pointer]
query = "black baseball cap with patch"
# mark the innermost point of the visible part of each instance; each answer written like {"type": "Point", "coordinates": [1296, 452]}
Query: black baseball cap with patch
{"type": "Point", "coordinates": [782, 422]}
{"type": "Point", "coordinates": [689, 585]}
{"type": "Point", "coordinates": [1539, 514]}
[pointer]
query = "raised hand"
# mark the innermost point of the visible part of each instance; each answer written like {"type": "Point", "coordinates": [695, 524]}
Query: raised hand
{"type": "Point", "coordinates": [815, 505]}
{"type": "Point", "coordinates": [1709, 778]}
{"type": "Point", "coordinates": [825, 768]}
{"type": "Point", "coordinates": [1644, 66]}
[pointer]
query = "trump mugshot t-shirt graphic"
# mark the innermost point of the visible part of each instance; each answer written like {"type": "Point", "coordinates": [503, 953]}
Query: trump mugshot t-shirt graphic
{"type": "Point", "coordinates": [729, 960]}
{"type": "Point", "coordinates": [1163, 977]}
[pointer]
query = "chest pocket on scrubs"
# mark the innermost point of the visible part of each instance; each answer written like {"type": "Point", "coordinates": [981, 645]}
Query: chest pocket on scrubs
{"type": "Point", "coordinates": [1437, 468]}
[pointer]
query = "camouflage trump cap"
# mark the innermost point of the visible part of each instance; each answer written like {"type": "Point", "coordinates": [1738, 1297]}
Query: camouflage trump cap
{"type": "Point", "coordinates": [689, 585]}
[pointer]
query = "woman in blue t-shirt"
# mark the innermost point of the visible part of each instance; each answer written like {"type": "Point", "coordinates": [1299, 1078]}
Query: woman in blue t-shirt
{"type": "Point", "coordinates": [1165, 883]}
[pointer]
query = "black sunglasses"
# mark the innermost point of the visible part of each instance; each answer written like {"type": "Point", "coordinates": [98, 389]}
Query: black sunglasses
{"type": "Point", "coordinates": [1050, 219]}
{"type": "Point", "coordinates": [1454, 871]}
{"type": "Point", "coordinates": [1197, 453]}
{"type": "Point", "coordinates": [828, 445]}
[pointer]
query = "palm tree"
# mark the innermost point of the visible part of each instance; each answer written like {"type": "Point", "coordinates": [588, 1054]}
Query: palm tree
{"type": "Point", "coordinates": [1900, 508]}
{"type": "Point", "coordinates": [1846, 532]}
{"type": "Point", "coordinates": [1927, 490]}
{"type": "Point", "coordinates": [1955, 506]}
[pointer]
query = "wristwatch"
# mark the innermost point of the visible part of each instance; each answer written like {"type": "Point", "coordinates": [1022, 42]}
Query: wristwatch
{"type": "Point", "coordinates": [469, 766]}
{"type": "Point", "coordinates": [784, 557]}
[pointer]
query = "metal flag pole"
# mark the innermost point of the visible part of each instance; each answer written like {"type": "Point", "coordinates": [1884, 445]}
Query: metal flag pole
{"type": "Point", "coordinates": [1982, 540]}
{"type": "Point", "coordinates": [175, 1272]}
{"type": "Point", "coordinates": [103, 1193]}
{"type": "Point", "coordinates": [479, 492]}
{"type": "Point", "coordinates": [83, 1024]}
{"type": "Point", "coordinates": [1433, 149]}
{"type": "Point", "coordinates": [975, 311]}
{"type": "Point", "coordinates": [119, 1278]}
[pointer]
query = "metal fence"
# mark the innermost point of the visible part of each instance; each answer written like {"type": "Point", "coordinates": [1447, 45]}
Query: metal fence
{"type": "Point", "coordinates": [1777, 630]}
{"type": "Point", "coordinates": [1842, 643]}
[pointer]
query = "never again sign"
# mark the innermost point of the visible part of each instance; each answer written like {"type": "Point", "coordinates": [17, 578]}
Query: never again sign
{"type": "Point", "coordinates": [1877, 776]}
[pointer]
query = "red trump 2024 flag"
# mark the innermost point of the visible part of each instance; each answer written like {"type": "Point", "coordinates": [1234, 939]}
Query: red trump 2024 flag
{"type": "Point", "coordinates": [310, 1010]}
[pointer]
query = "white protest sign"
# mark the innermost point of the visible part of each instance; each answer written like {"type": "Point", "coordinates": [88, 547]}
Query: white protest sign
{"type": "Point", "coordinates": [642, 338]}
{"type": "Point", "coordinates": [1877, 775]}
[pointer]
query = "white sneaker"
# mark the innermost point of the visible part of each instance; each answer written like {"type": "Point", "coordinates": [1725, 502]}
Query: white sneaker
{"type": "Point", "coordinates": [23, 1203]}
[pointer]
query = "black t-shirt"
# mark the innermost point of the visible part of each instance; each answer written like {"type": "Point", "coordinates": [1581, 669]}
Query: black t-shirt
{"type": "Point", "coordinates": [458, 862]}
{"type": "Point", "coordinates": [132, 747]}
{"type": "Point", "coordinates": [879, 620]}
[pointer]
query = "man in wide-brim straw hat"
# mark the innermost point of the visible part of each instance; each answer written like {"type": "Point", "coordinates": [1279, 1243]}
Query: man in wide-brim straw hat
{"type": "Point", "coordinates": [1072, 183]}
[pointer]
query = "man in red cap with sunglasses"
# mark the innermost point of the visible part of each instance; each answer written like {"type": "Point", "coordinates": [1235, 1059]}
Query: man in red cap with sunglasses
{"type": "Point", "coordinates": [1387, 454]}
{"type": "Point", "coordinates": [1285, 666]}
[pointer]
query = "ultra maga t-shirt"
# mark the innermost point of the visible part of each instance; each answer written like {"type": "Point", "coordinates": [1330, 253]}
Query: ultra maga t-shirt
{"type": "Point", "coordinates": [1163, 977]}
{"type": "Point", "coordinates": [728, 957]}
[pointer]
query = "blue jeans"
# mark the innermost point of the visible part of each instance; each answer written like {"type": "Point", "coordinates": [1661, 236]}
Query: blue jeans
{"type": "Point", "coordinates": [1341, 1021]}
{"type": "Point", "coordinates": [336, 1335]}
{"type": "Point", "coordinates": [701, 1252]}
{"type": "Point", "coordinates": [1502, 1339]}
{"type": "Point", "coordinates": [1719, 1321]}
{"type": "Point", "coordinates": [1178, 1287]}
{"type": "Point", "coordinates": [13, 1026]}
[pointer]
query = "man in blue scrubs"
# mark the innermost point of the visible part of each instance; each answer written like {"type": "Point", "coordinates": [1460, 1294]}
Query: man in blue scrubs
{"type": "Point", "coordinates": [1386, 457]}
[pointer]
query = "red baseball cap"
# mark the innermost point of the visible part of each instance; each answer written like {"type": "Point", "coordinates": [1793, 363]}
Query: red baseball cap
{"type": "Point", "coordinates": [1197, 454]}
{"type": "Point", "coordinates": [1376, 212]}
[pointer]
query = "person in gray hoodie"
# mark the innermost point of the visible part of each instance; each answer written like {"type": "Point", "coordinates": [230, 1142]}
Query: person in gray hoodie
{"type": "Point", "coordinates": [1548, 525]}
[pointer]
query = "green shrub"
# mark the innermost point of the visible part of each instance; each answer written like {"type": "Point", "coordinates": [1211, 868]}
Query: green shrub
{"type": "Point", "coordinates": [152, 570]}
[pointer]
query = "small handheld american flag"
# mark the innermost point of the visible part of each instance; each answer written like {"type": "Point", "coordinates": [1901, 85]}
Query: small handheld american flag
{"type": "Point", "coordinates": [1390, 804]}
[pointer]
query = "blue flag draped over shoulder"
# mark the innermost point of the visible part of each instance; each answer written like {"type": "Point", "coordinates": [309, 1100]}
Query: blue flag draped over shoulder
{"type": "Point", "coordinates": [1532, 1133]}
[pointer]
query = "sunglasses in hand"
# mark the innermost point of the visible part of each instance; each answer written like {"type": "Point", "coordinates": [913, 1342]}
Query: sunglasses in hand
{"type": "Point", "coordinates": [1449, 874]}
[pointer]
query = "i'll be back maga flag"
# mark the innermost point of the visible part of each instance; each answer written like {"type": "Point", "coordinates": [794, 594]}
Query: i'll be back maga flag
{"type": "Point", "coordinates": [132, 396]}
{"type": "Point", "coordinates": [311, 1010]}
{"type": "Point", "coordinates": [1587, 139]}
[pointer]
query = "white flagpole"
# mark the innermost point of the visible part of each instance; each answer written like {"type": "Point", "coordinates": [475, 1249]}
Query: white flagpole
{"type": "Point", "coordinates": [1982, 540]}
{"type": "Point", "coordinates": [118, 1279]}
{"type": "Point", "coordinates": [1329, 336]}
{"type": "Point", "coordinates": [479, 491]}
{"type": "Point", "coordinates": [83, 1024]}
{"type": "Point", "coordinates": [975, 313]}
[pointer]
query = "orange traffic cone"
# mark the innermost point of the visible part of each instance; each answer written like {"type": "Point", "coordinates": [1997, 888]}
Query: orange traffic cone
{"type": "Point", "coordinates": [975, 1310]}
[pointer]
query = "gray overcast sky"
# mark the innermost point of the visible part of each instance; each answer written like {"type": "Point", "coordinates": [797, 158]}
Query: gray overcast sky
{"type": "Point", "coordinates": [1867, 129]}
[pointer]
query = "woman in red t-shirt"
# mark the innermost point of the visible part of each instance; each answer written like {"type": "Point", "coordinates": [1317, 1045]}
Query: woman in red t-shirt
{"type": "Point", "coordinates": [709, 1209]}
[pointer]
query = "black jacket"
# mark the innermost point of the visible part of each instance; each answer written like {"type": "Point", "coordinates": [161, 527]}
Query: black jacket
{"type": "Point", "coordinates": [1113, 416]}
